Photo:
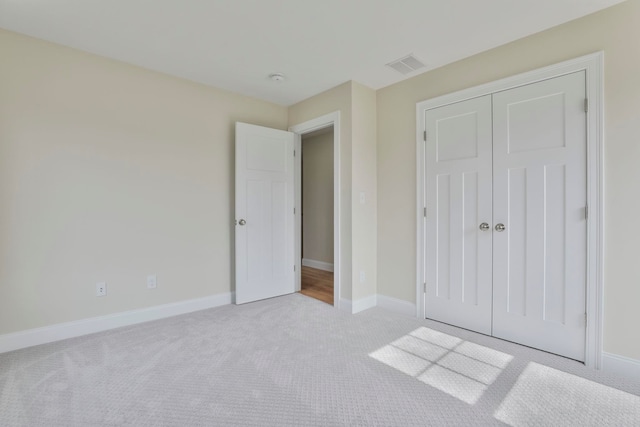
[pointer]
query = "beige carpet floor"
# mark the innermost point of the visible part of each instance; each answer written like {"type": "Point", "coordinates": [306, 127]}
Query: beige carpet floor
{"type": "Point", "coordinates": [294, 361]}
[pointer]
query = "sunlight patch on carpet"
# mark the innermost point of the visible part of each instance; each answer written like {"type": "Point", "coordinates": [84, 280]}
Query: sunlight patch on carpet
{"type": "Point", "coordinates": [546, 396]}
{"type": "Point", "coordinates": [459, 368]}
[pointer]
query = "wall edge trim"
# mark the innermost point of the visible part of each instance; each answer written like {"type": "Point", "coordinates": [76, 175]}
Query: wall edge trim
{"type": "Point", "coordinates": [621, 365]}
{"type": "Point", "coordinates": [61, 331]}
{"type": "Point", "coordinates": [320, 265]}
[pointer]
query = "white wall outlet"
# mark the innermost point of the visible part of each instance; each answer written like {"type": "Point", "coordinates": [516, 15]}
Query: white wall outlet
{"type": "Point", "coordinates": [362, 276]}
{"type": "Point", "coordinates": [152, 281]}
{"type": "Point", "coordinates": [101, 289]}
{"type": "Point", "coordinates": [363, 198]}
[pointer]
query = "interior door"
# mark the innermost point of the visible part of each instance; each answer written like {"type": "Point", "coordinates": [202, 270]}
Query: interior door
{"type": "Point", "coordinates": [264, 233]}
{"type": "Point", "coordinates": [458, 218]}
{"type": "Point", "coordinates": [539, 237]}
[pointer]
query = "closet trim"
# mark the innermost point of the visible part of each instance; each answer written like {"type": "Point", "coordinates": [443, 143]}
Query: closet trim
{"type": "Point", "coordinates": [593, 66]}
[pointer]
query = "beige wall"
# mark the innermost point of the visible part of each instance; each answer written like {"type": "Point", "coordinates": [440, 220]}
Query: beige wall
{"type": "Point", "coordinates": [616, 31]}
{"type": "Point", "coordinates": [109, 172]}
{"type": "Point", "coordinates": [317, 197]}
{"type": "Point", "coordinates": [357, 106]}
{"type": "Point", "coordinates": [363, 179]}
{"type": "Point", "coordinates": [336, 99]}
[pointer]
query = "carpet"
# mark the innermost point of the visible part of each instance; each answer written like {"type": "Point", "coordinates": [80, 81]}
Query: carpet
{"type": "Point", "coordinates": [288, 361]}
{"type": "Point", "coordinates": [544, 396]}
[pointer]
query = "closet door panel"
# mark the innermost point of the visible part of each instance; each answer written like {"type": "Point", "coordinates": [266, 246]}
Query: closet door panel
{"type": "Point", "coordinates": [539, 190]}
{"type": "Point", "coordinates": [458, 193]}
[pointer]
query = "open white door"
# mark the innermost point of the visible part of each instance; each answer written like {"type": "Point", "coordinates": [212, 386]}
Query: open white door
{"type": "Point", "coordinates": [265, 232]}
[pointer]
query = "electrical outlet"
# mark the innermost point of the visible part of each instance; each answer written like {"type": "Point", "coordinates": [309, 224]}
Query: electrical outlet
{"type": "Point", "coordinates": [362, 276]}
{"type": "Point", "coordinates": [152, 281]}
{"type": "Point", "coordinates": [101, 289]}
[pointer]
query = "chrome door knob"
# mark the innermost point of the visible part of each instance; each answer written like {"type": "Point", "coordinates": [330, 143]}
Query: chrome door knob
{"type": "Point", "coordinates": [500, 227]}
{"type": "Point", "coordinates": [242, 222]}
{"type": "Point", "coordinates": [484, 226]}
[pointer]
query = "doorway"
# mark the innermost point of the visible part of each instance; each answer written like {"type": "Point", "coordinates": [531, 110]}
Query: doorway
{"type": "Point", "coordinates": [316, 212]}
{"type": "Point", "coordinates": [326, 270]}
{"type": "Point", "coordinates": [268, 224]}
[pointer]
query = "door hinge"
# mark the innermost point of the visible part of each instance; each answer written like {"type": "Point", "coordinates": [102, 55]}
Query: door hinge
{"type": "Point", "coordinates": [294, 211]}
{"type": "Point", "coordinates": [424, 211]}
{"type": "Point", "coordinates": [586, 105]}
{"type": "Point", "coordinates": [586, 211]}
{"type": "Point", "coordinates": [294, 267]}
{"type": "Point", "coordinates": [424, 136]}
{"type": "Point", "coordinates": [425, 288]}
{"type": "Point", "coordinates": [585, 319]}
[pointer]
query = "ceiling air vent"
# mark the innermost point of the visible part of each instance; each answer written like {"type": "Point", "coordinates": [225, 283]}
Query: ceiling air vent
{"type": "Point", "coordinates": [406, 65]}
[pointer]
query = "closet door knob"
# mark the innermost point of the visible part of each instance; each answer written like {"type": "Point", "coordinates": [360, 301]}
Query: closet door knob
{"type": "Point", "coordinates": [242, 222]}
{"type": "Point", "coordinates": [484, 226]}
{"type": "Point", "coordinates": [500, 227]}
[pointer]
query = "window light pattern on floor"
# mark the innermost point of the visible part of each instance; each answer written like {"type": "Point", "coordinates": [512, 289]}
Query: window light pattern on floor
{"type": "Point", "coordinates": [459, 368]}
{"type": "Point", "coordinates": [544, 396]}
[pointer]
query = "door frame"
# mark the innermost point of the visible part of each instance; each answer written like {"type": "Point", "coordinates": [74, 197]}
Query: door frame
{"type": "Point", "coordinates": [331, 119]}
{"type": "Point", "coordinates": [592, 65]}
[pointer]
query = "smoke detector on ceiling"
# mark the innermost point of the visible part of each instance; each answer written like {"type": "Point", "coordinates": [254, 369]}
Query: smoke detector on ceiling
{"type": "Point", "coordinates": [277, 77]}
{"type": "Point", "coordinates": [406, 65]}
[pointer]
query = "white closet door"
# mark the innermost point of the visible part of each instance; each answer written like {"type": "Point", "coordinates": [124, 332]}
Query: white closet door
{"type": "Point", "coordinates": [539, 270]}
{"type": "Point", "coordinates": [458, 194]}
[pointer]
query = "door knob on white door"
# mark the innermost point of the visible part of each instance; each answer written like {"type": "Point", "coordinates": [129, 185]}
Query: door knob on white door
{"type": "Point", "coordinates": [500, 227]}
{"type": "Point", "coordinates": [242, 222]}
{"type": "Point", "coordinates": [484, 226]}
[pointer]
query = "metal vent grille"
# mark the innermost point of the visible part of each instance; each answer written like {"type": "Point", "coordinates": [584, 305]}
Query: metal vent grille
{"type": "Point", "coordinates": [406, 65]}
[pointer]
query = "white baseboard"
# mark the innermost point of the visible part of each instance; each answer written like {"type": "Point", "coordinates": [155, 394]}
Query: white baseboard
{"type": "Point", "coordinates": [61, 331]}
{"type": "Point", "coordinates": [364, 304]}
{"type": "Point", "coordinates": [320, 265]}
{"type": "Point", "coordinates": [624, 366]}
{"type": "Point", "coordinates": [397, 305]}
{"type": "Point", "coordinates": [354, 307]}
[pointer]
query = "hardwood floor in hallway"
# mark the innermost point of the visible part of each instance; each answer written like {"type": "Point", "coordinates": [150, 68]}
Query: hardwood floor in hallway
{"type": "Point", "coordinates": [317, 284]}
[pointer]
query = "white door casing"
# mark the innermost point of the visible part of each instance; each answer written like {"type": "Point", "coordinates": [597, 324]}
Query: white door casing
{"type": "Point", "coordinates": [539, 262]}
{"type": "Point", "coordinates": [458, 190]}
{"type": "Point", "coordinates": [264, 201]}
{"type": "Point", "coordinates": [331, 119]}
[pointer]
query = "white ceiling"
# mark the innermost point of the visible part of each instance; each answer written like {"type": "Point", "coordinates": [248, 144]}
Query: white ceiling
{"type": "Point", "coordinates": [236, 44]}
